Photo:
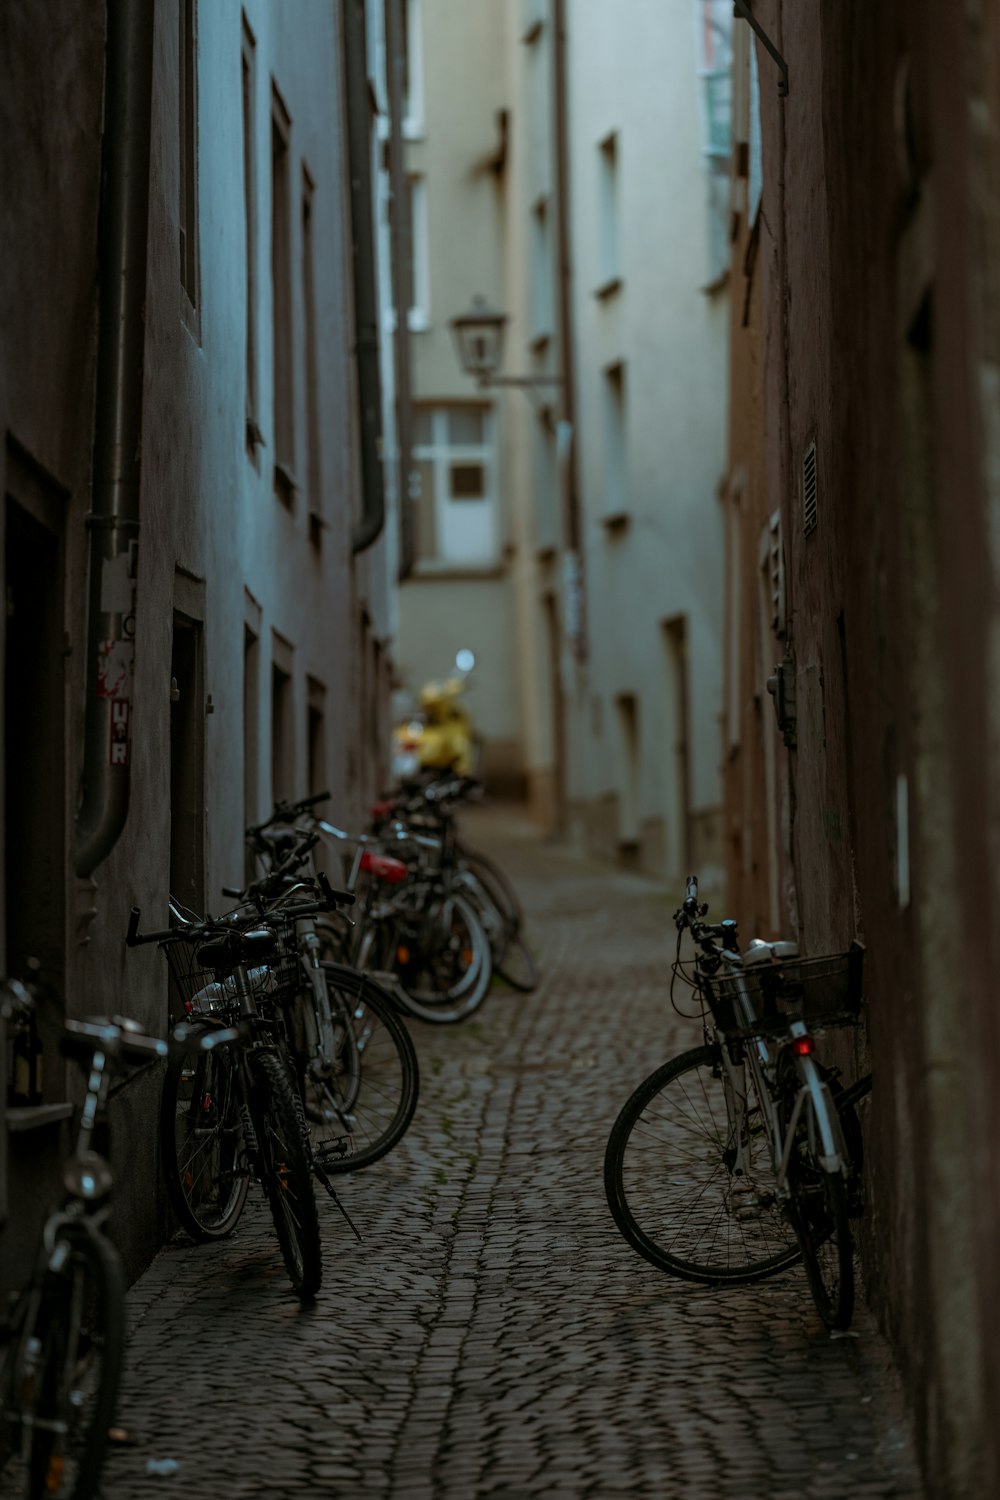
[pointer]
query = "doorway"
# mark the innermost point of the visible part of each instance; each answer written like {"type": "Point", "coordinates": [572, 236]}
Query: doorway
{"type": "Point", "coordinates": [677, 852]}
{"type": "Point", "coordinates": [187, 765]}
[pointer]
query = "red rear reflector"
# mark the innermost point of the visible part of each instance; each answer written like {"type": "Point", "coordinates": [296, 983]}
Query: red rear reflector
{"type": "Point", "coordinates": [382, 809]}
{"type": "Point", "coordinates": [383, 867]}
{"type": "Point", "coordinates": [803, 1046]}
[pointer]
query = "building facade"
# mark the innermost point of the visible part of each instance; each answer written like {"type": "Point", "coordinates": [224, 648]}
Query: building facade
{"type": "Point", "coordinates": [199, 612]}
{"type": "Point", "coordinates": [866, 424]}
{"type": "Point", "coordinates": [570, 172]}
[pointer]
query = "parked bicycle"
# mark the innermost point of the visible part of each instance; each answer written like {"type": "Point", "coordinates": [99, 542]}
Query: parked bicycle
{"type": "Point", "coordinates": [355, 1063]}
{"type": "Point", "coordinates": [430, 807]}
{"type": "Point", "coordinates": [743, 1156]}
{"type": "Point", "coordinates": [414, 930]}
{"type": "Point", "coordinates": [234, 1109]}
{"type": "Point", "coordinates": [62, 1344]}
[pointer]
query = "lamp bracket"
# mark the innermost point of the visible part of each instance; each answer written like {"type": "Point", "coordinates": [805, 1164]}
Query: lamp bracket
{"type": "Point", "coordinates": [742, 7]}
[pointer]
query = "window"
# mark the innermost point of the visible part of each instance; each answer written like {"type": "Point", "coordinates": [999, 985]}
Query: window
{"type": "Point", "coordinates": [609, 260]}
{"type": "Point", "coordinates": [541, 272]}
{"type": "Point", "coordinates": [249, 68]}
{"type": "Point", "coordinates": [282, 731]}
{"type": "Point", "coordinates": [418, 318]}
{"type": "Point", "coordinates": [187, 81]}
{"type": "Point", "coordinates": [311, 375]}
{"type": "Point", "coordinates": [281, 304]}
{"type": "Point", "coordinates": [251, 728]}
{"type": "Point", "coordinates": [453, 456]}
{"type": "Point", "coordinates": [715, 60]}
{"type": "Point", "coordinates": [413, 62]}
{"type": "Point", "coordinates": [615, 488]}
{"type": "Point", "coordinates": [316, 737]}
{"type": "Point", "coordinates": [546, 484]}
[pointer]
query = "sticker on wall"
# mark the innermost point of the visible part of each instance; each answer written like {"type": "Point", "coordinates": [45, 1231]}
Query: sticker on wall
{"type": "Point", "coordinates": [118, 744]}
{"type": "Point", "coordinates": [114, 669]}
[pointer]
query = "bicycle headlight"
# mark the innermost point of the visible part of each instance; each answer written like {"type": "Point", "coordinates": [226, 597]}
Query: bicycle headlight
{"type": "Point", "coordinates": [87, 1176]}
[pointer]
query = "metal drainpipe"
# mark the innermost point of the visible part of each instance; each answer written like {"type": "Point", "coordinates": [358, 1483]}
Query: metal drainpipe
{"type": "Point", "coordinates": [574, 529]}
{"type": "Point", "coordinates": [114, 518]}
{"type": "Point", "coordinates": [402, 265]}
{"type": "Point", "coordinates": [363, 254]}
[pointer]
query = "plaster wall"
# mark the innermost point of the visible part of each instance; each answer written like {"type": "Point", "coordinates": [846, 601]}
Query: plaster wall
{"type": "Point", "coordinates": [881, 339]}
{"type": "Point", "coordinates": [655, 552]}
{"type": "Point", "coordinates": [216, 543]}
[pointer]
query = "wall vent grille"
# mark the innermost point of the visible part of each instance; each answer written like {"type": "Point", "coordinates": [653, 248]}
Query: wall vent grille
{"type": "Point", "coordinates": [809, 495]}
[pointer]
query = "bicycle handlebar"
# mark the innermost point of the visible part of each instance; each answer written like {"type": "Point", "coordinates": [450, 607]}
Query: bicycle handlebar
{"type": "Point", "coordinates": [284, 810]}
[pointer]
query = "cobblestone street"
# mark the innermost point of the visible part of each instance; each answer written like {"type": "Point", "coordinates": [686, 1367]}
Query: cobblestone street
{"type": "Point", "coordinates": [493, 1335]}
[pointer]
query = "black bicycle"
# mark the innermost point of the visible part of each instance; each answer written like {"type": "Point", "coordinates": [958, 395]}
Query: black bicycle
{"type": "Point", "coordinates": [62, 1344]}
{"type": "Point", "coordinates": [232, 1110]}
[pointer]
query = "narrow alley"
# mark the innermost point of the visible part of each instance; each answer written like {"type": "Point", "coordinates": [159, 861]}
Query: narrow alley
{"type": "Point", "coordinates": [493, 1335]}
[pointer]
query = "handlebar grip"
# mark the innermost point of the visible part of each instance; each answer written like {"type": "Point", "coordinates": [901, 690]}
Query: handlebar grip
{"type": "Point", "coordinates": [691, 890]}
{"type": "Point", "coordinates": [132, 935]}
{"type": "Point", "coordinates": [334, 898]}
{"type": "Point", "coordinates": [232, 891]}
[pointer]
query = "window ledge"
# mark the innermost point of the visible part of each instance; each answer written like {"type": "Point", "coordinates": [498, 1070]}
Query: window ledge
{"type": "Point", "coordinates": [284, 484]}
{"type": "Point", "coordinates": [22, 1118]}
{"type": "Point", "coordinates": [616, 522]}
{"type": "Point", "coordinates": [608, 288]}
{"type": "Point", "coordinates": [431, 570]}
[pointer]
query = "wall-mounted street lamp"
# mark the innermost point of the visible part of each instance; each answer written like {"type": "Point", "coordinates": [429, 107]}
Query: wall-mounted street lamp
{"type": "Point", "coordinates": [478, 336]}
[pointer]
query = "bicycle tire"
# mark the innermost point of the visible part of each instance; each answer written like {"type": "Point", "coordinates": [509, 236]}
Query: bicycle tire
{"type": "Point", "coordinates": [667, 1180]}
{"type": "Point", "coordinates": [460, 965]}
{"type": "Point", "coordinates": [494, 922]}
{"type": "Point", "coordinates": [519, 968]}
{"type": "Point", "coordinates": [78, 1322]}
{"type": "Point", "coordinates": [819, 1213]}
{"type": "Point", "coordinates": [360, 1112]}
{"type": "Point", "coordinates": [205, 1170]}
{"type": "Point", "coordinates": [495, 881]}
{"type": "Point", "coordinates": [286, 1169]}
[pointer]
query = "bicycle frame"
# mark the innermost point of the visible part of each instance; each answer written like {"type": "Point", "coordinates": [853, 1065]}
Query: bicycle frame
{"type": "Point", "coordinates": [756, 1057]}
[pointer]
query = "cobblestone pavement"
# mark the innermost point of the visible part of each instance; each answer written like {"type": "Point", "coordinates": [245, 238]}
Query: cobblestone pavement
{"type": "Point", "coordinates": [494, 1335]}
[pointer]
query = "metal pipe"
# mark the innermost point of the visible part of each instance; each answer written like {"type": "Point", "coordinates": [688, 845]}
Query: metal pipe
{"type": "Point", "coordinates": [114, 515]}
{"type": "Point", "coordinates": [574, 529]}
{"type": "Point", "coordinates": [366, 333]}
{"type": "Point", "coordinates": [401, 233]}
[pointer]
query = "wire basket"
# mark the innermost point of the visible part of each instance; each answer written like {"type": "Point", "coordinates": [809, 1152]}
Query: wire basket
{"type": "Point", "coordinates": [195, 991]}
{"type": "Point", "coordinates": [824, 991]}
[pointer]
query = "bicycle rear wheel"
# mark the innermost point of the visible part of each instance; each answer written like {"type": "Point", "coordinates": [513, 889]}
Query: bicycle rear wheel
{"type": "Point", "coordinates": [59, 1380]}
{"type": "Point", "coordinates": [286, 1170]}
{"type": "Point", "coordinates": [201, 1139]}
{"type": "Point", "coordinates": [446, 972]}
{"type": "Point", "coordinates": [358, 1113]}
{"type": "Point", "coordinates": [669, 1183]}
{"type": "Point", "coordinates": [493, 880]}
{"type": "Point", "coordinates": [819, 1212]}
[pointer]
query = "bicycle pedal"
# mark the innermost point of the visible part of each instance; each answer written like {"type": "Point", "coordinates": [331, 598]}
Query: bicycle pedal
{"type": "Point", "coordinates": [335, 1148]}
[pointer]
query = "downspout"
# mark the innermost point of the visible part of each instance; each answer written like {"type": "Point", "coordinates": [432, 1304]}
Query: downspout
{"type": "Point", "coordinates": [113, 521]}
{"type": "Point", "coordinates": [358, 99]}
{"type": "Point", "coordinates": [401, 233]}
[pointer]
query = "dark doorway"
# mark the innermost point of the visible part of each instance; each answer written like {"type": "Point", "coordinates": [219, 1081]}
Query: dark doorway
{"type": "Point", "coordinates": [34, 768]}
{"type": "Point", "coordinates": [187, 766]}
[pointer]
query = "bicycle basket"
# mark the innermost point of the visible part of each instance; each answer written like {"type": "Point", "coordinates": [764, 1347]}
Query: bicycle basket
{"type": "Point", "coordinates": [824, 991]}
{"type": "Point", "coordinates": [196, 991]}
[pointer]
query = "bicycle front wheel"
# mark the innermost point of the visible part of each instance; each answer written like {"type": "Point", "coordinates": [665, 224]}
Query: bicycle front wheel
{"type": "Point", "coordinates": [358, 1109]}
{"type": "Point", "coordinates": [668, 1177]}
{"type": "Point", "coordinates": [201, 1139]}
{"type": "Point", "coordinates": [286, 1170]}
{"type": "Point", "coordinates": [59, 1380]}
